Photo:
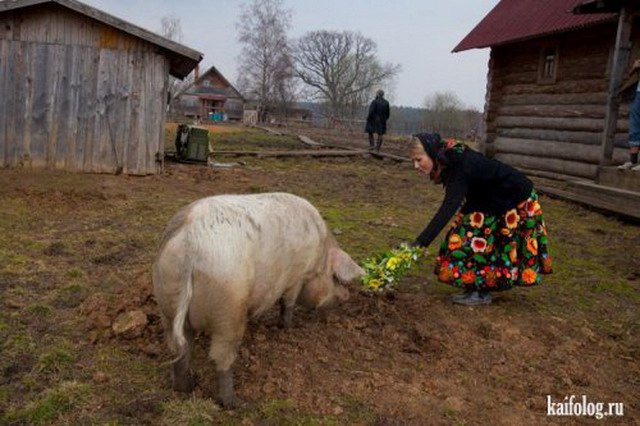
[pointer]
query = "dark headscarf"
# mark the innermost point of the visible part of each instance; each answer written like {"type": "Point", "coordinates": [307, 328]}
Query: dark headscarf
{"type": "Point", "coordinates": [435, 148]}
{"type": "Point", "coordinates": [433, 145]}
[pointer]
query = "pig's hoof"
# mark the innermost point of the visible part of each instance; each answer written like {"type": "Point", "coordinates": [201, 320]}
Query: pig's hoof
{"type": "Point", "coordinates": [284, 324]}
{"type": "Point", "coordinates": [231, 402]}
{"type": "Point", "coordinates": [184, 384]}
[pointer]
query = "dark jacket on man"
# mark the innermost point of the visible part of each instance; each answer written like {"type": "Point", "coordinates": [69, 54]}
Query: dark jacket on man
{"type": "Point", "coordinates": [378, 116]}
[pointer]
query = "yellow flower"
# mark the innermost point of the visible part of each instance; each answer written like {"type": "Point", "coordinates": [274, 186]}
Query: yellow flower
{"type": "Point", "coordinates": [405, 257]}
{"type": "Point", "coordinates": [374, 284]}
{"type": "Point", "coordinates": [392, 263]}
{"type": "Point", "coordinates": [383, 270]}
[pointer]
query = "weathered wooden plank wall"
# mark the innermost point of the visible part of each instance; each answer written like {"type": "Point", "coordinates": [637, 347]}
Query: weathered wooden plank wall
{"type": "Point", "coordinates": [553, 127]}
{"type": "Point", "coordinates": [52, 23]}
{"type": "Point", "coordinates": [79, 95]}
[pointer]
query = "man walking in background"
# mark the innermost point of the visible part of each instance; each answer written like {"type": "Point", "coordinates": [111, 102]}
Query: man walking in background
{"type": "Point", "coordinates": [377, 119]}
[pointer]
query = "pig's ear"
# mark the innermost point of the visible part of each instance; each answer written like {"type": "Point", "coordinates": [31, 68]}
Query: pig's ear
{"type": "Point", "coordinates": [343, 267]}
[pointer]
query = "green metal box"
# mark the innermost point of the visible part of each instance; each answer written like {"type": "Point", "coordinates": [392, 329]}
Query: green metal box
{"type": "Point", "coordinates": [198, 144]}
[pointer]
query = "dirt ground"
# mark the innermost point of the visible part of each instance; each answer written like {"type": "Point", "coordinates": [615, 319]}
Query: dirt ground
{"type": "Point", "coordinates": [75, 258]}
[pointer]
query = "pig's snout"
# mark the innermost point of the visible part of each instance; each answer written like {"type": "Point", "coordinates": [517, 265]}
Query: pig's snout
{"type": "Point", "coordinates": [342, 294]}
{"type": "Point", "coordinates": [359, 272]}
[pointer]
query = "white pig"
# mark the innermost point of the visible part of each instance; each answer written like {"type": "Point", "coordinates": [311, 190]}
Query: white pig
{"type": "Point", "coordinates": [229, 258]}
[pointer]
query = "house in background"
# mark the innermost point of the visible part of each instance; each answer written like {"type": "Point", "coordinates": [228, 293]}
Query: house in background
{"type": "Point", "coordinates": [548, 86]}
{"type": "Point", "coordinates": [82, 90]}
{"type": "Point", "coordinates": [210, 96]}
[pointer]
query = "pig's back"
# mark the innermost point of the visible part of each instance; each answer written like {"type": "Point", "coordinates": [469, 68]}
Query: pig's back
{"type": "Point", "coordinates": [271, 217]}
{"type": "Point", "coordinates": [259, 245]}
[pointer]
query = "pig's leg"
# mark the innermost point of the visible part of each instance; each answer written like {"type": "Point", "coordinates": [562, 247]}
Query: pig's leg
{"type": "Point", "coordinates": [182, 378]}
{"type": "Point", "coordinates": [224, 350]}
{"type": "Point", "coordinates": [286, 314]}
{"type": "Point", "coordinates": [226, 393]}
{"type": "Point", "coordinates": [287, 303]}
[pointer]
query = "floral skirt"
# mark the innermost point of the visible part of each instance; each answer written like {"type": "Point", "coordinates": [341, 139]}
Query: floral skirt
{"type": "Point", "coordinates": [496, 252]}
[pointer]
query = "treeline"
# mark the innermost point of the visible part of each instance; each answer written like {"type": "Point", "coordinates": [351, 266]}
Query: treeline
{"type": "Point", "coordinates": [461, 123]}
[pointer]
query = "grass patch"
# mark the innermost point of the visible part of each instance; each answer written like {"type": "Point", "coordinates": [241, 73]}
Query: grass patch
{"type": "Point", "coordinates": [251, 140]}
{"type": "Point", "coordinates": [283, 412]}
{"type": "Point", "coordinates": [39, 310]}
{"type": "Point", "coordinates": [73, 273]}
{"type": "Point", "coordinates": [357, 411]}
{"type": "Point", "coordinates": [275, 408]}
{"type": "Point", "coordinates": [51, 404]}
{"type": "Point", "coordinates": [13, 259]}
{"type": "Point", "coordinates": [4, 394]}
{"type": "Point", "coordinates": [71, 296]}
{"type": "Point", "coordinates": [255, 190]}
{"type": "Point", "coordinates": [190, 412]}
{"type": "Point", "coordinates": [141, 373]}
{"type": "Point", "coordinates": [55, 361]}
{"type": "Point", "coordinates": [19, 342]}
{"type": "Point", "coordinates": [454, 417]}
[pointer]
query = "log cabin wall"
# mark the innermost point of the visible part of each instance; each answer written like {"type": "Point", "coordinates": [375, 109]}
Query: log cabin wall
{"type": "Point", "coordinates": [554, 124]}
{"type": "Point", "coordinates": [79, 95]}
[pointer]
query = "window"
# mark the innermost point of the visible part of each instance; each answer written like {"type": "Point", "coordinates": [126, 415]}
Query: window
{"type": "Point", "coordinates": [548, 65]}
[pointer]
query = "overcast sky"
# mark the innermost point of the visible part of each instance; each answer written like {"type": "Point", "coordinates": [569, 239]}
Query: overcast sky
{"type": "Point", "coordinates": [417, 34]}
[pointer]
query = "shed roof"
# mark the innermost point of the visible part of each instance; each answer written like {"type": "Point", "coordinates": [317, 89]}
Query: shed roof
{"type": "Point", "coordinates": [182, 59]}
{"type": "Point", "coordinates": [517, 20]}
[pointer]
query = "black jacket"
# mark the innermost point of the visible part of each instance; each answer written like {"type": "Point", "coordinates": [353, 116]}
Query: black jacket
{"type": "Point", "coordinates": [378, 115]}
{"type": "Point", "coordinates": [475, 183]}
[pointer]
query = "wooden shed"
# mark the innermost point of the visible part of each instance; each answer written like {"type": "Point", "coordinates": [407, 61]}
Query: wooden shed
{"type": "Point", "coordinates": [82, 90]}
{"type": "Point", "coordinates": [547, 85]}
{"type": "Point", "coordinates": [211, 94]}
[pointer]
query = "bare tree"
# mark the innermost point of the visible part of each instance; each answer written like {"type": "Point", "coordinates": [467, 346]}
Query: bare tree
{"type": "Point", "coordinates": [265, 66]}
{"type": "Point", "coordinates": [445, 112]}
{"type": "Point", "coordinates": [171, 28]}
{"type": "Point", "coordinates": [342, 68]}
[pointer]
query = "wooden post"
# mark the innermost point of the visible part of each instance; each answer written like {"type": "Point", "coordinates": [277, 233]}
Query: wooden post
{"type": "Point", "coordinates": [620, 61]}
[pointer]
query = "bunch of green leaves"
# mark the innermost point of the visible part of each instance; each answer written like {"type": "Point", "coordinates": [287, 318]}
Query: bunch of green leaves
{"type": "Point", "coordinates": [384, 270]}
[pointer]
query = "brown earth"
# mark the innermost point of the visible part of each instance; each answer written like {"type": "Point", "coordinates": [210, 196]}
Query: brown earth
{"type": "Point", "coordinates": [76, 250]}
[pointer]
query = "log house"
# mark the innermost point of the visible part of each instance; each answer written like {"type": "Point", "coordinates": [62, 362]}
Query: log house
{"type": "Point", "coordinates": [547, 99]}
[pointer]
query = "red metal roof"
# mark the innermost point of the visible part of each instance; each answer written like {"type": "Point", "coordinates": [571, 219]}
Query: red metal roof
{"type": "Point", "coordinates": [517, 20]}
